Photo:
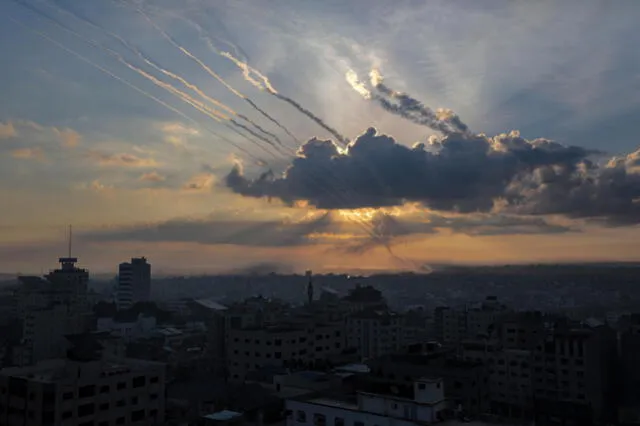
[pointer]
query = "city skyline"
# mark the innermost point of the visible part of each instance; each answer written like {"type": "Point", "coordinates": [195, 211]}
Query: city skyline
{"type": "Point", "coordinates": [148, 128]}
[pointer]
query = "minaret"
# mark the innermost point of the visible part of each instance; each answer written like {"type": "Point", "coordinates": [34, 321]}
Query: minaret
{"type": "Point", "coordinates": [309, 275]}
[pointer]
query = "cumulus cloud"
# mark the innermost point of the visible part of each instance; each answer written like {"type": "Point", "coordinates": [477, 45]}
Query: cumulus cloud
{"type": "Point", "coordinates": [152, 177]}
{"type": "Point", "coordinates": [28, 154]}
{"type": "Point", "coordinates": [121, 160]}
{"type": "Point", "coordinates": [7, 130]}
{"type": "Point", "coordinates": [176, 133]}
{"type": "Point", "coordinates": [453, 173]}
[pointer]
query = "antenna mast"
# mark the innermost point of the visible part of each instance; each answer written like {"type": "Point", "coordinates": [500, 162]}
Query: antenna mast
{"type": "Point", "coordinates": [70, 239]}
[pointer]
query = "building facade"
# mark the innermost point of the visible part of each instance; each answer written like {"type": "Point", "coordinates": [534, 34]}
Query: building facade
{"type": "Point", "coordinates": [134, 283]}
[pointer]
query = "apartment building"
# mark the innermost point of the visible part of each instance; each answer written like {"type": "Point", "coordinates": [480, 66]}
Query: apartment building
{"type": "Point", "coordinates": [86, 388]}
{"type": "Point", "coordinates": [281, 344]}
{"type": "Point", "coordinates": [375, 332]}
{"type": "Point", "coordinates": [134, 283]}
{"type": "Point", "coordinates": [425, 405]}
{"type": "Point", "coordinates": [453, 325]}
{"type": "Point", "coordinates": [465, 382]}
{"type": "Point", "coordinates": [573, 375]}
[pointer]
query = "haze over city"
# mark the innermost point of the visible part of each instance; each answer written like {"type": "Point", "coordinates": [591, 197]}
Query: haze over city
{"type": "Point", "coordinates": [371, 135]}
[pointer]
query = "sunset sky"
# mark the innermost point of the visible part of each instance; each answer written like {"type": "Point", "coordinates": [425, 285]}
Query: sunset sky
{"type": "Point", "coordinates": [151, 126]}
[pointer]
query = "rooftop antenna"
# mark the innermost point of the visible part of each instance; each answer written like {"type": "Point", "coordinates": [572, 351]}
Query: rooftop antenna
{"type": "Point", "coordinates": [70, 239]}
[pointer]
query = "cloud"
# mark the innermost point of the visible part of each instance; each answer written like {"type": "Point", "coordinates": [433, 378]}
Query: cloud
{"type": "Point", "coordinates": [200, 182]}
{"type": "Point", "coordinates": [454, 173]}
{"type": "Point", "coordinates": [152, 177]}
{"type": "Point", "coordinates": [121, 160]}
{"type": "Point", "coordinates": [69, 138]}
{"type": "Point", "coordinates": [7, 130]}
{"type": "Point", "coordinates": [28, 154]}
{"type": "Point", "coordinates": [98, 186]}
{"type": "Point", "coordinates": [220, 230]}
{"type": "Point", "coordinates": [176, 133]}
{"type": "Point", "coordinates": [608, 194]}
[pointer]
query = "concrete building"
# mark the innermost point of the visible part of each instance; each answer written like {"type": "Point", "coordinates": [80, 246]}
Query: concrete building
{"type": "Point", "coordinates": [128, 325]}
{"type": "Point", "coordinates": [427, 405]}
{"type": "Point", "coordinates": [629, 372]}
{"type": "Point", "coordinates": [134, 283]}
{"type": "Point", "coordinates": [86, 388]}
{"type": "Point", "coordinates": [465, 382]}
{"type": "Point", "coordinates": [49, 308]}
{"type": "Point", "coordinates": [453, 325]}
{"type": "Point", "coordinates": [573, 375]}
{"type": "Point", "coordinates": [278, 345]}
{"type": "Point", "coordinates": [375, 332]}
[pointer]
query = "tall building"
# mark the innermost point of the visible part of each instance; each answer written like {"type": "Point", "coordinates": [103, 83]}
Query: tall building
{"type": "Point", "coordinates": [134, 283]}
{"type": "Point", "coordinates": [573, 376]}
{"type": "Point", "coordinates": [374, 333]}
{"type": "Point", "coordinates": [50, 308]}
{"type": "Point", "coordinates": [84, 388]}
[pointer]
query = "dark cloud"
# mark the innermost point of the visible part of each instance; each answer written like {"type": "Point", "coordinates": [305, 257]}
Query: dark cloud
{"type": "Point", "coordinates": [388, 229]}
{"type": "Point", "coordinates": [609, 194]}
{"type": "Point", "coordinates": [454, 173]}
{"type": "Point", "coordinates": [268, 233]}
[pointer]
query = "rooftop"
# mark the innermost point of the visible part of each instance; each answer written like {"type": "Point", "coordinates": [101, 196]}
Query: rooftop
{"type": "Point", "coordinates": [211, 304]}
{"type": "Point", "coordinates": [223, 415]}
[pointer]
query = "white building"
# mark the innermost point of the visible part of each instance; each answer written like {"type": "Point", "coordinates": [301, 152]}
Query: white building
{"type": "Point", "coordinates": [375, 332]}
{"type": "Point", "coordinates": [134, 283]}
{"type": "Point", "coordinates": [128, 327]}
{"type": "Point", "coordinates": [428, 406]}
{"type": "Point", "coordinates": [78, 391]}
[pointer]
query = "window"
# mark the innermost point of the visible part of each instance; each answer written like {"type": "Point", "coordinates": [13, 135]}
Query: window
{"type": "Point", "coordinates": [67, 415]}
{"type": "Point", "coordinates": [104, 407]}
{"type": "Point", "coordinates": [121, 385]}
{"type": "Point", "coordinates": [319, 419]}
{"type": "Point", "coordinates": [422, 386]}
{"type": "Point", "coordinates": [86, 391]}
{"type": "Point", "coordinates": [153, 396]}
{"type": "Point", "coordinates": [120, 420]}
{"type": "Point", "coordinates": [278, 355]}
{"type": "Point", "coordinates": [139, 381]}
{"type": "Point", "coordinates": [104, 389]}
{"type": "Point", "coordinates": [120, 403]}
{"type": "Point", "coordinates": [278, 342]}
{"type": "Point", "coordinates": [301, 416]}
{"type": "Point", "coordinates": [154, 380]}
{"type": "Point", "coordinates": [134, 400]}
{"type": "Point", "coordinates": [358, 424]}
{"type": "Point", "coordinates": [86, 410]}
{"type": "Point", "coordinates": [137, 415]}
{"type": "Point", "coordinates": [67, 396]}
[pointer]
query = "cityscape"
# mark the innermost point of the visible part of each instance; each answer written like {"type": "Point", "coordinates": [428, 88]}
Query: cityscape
{"type": "Point", "coordinates": [332, 349]}
{"type": "Point", "coordinates": [319, 213]}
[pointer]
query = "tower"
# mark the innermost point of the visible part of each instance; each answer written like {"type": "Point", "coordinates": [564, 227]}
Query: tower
{"type": "Point", "coordinates": [134, 283]}
{"type": "Point", "coordinates": [309, 275]}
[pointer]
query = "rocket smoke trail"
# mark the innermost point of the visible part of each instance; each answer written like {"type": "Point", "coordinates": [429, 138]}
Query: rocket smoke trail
{"type": "Point", "coordinates": [247, 72]}
{"type": "Point", "coordinates": [444, 121]}
{"type": "Point", "coordinates": [186, 98]}
{"type": "Point", "coordinates": [134, 87]}
{"type": "Point", "coordinates": [217, 77]}
{"type": "Point", "coordinates": [170, 74]}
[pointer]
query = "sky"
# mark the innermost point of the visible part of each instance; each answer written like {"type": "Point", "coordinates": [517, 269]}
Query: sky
{"type": "Point", "coordinates": [212, 136]}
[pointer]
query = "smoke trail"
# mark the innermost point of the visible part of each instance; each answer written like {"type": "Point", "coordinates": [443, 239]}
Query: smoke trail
{"type": "Point", "coordinates": [444, 121]}
{"type": "Point", "coordinates": [133, 86]}
{"type": "Point", "coordinates": [186, 98]}
{"type": "Point", "coordinates": [266, 85]}
{"type": "Point", "coordinates": [170, 74]}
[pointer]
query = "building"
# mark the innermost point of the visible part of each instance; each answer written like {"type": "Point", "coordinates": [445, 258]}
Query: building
{"type": "Point", "coordinates": [573, 375]}
{"type": "Point", "coordinates": [453, 325]}
{"type": "Point", "coordinates": [128, 325]}
{"type": "Point", "coordinates": [425, 405]}
{"type": "Point", "coordinates": [375, 332]}
{"type": "Point", "coordinates": [465, 382]}
{"type": "Point", "coordinates": [85, 388]}
{"type": "Point", "coordinates": [296, 344]}
{"type": "Point", "coordinates": [134, 283]}
{"type": "Point", "coordinates": [629, 372]}
{"type": "Point", "coordinates": [50, 308]}
{"type": "Point", "coordinates": [365, 297]}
